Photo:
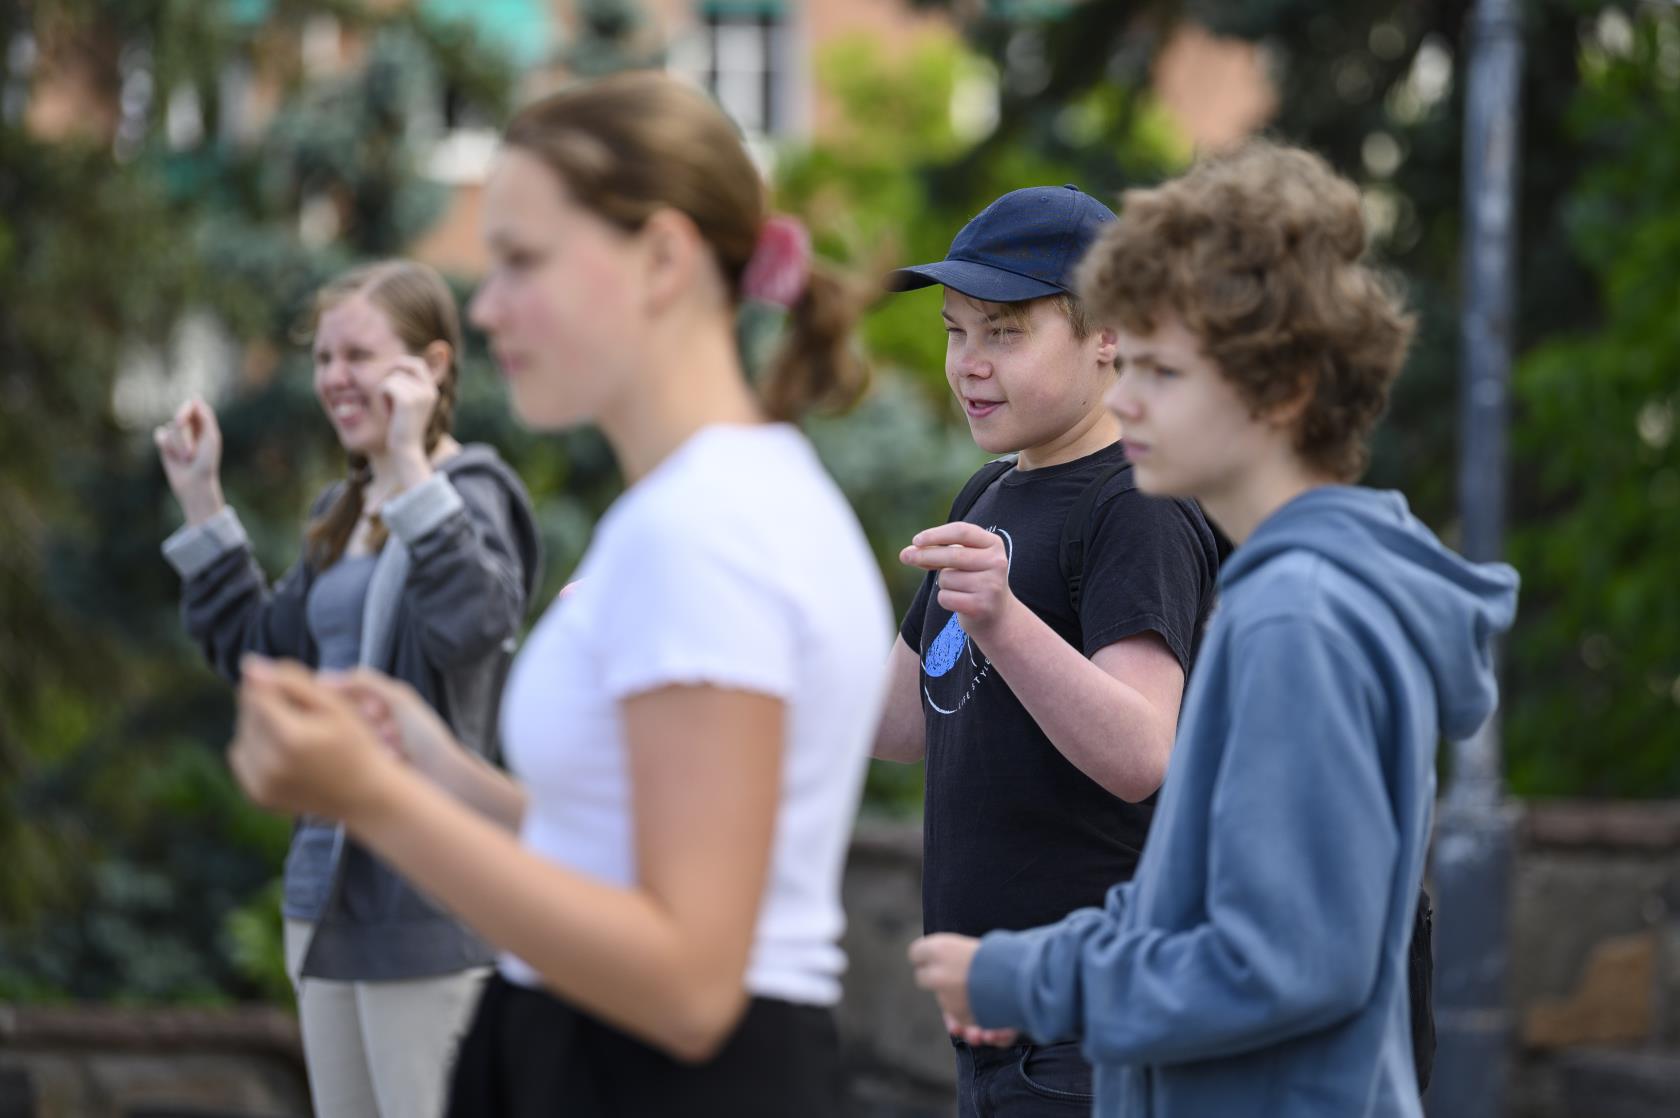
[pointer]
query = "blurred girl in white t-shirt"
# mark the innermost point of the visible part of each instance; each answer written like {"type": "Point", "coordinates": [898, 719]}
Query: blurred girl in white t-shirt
{"type": "Point", "coordinates": [688, 728]}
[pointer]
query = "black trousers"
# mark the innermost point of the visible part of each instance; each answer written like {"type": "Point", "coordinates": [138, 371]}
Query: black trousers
{"type": "Point", "coordinates": [1023, 1081]}
{"type": "Point", "coordinates": [529, 1054]}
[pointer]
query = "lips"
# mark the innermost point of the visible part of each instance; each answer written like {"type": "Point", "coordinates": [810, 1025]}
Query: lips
{"type": "Point", "coordinates": [1135, 450]}
{"type": "Point", "coordinates": [347, 410]}
{"type": "Point", "coordinates": [979, 409]}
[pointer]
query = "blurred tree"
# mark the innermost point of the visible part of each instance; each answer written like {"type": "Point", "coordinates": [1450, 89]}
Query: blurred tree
{"type": "Point", "coordinates": [1595, 668]}
{"type": "Point", "coordinates": [1376, 86]}
{"type": "Point", "coordinates": [126, 846]}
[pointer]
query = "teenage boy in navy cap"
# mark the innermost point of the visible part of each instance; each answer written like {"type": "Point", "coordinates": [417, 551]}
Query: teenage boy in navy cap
{"type": "Point", "coordinates": [1042, 662]}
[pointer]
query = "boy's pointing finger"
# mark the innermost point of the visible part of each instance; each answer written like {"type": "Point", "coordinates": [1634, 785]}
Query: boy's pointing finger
{"type": "Point", "coordinates": [958, 532]}
{"type": "Point", "coordinates": [949, 558]}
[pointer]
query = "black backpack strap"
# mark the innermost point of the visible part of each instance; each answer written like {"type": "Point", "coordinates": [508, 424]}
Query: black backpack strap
{"type": "Point", "coordinates": [1072, 554]}
{"type": "Point", "coordinates": [984, 478]}
{"type": "Point", "coordinates": [1420, 988]}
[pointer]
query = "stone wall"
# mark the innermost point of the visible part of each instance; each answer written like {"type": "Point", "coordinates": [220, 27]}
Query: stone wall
{"type": "Point", "coordinates": [104, 1062]}
{"type": "Point", "coordinates": [1595, 961]}
{"type": "Point", "coordinates": [897, 1055]}
{"type": "Point", "coordinates": [1595, 985]}
{"type": "Point", "coordinates": [1595, 968]}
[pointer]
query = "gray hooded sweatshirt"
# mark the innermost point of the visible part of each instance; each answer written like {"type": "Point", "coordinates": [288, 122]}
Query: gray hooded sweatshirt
{"type": "Point", "coordinates": [442, 612]}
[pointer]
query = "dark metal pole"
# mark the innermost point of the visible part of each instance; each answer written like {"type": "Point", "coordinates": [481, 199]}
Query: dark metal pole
{"type": "Point", "coordinates": [1473, 837]}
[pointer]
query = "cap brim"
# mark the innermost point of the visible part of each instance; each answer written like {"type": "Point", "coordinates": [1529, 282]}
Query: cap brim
{"type": "Point", "coordinates": [977, 281]}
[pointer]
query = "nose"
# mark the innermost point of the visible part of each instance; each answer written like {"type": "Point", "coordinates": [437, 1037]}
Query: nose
{"type": "Point", "coordinates": [333, 373]}
{"type": "Point", "coordinates": [483, 310]}
{"type": "Point", "coordinates": [1122, 399]}
{"type": "Point", "coordinates": [966, 363]}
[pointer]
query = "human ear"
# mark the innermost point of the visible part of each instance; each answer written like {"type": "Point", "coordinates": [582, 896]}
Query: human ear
{"type": "Point", "coordinates": [1287, 409]}
{"type": "Point", "coordinates": [670, 246]}
{"type": "Point", "coordinates": [437, 356]}
{"type": "Point", "coordinates": [1108, 347]}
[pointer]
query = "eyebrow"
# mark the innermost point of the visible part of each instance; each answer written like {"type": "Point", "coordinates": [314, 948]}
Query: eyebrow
{"type": "Point", "coordinates": [946, 315]}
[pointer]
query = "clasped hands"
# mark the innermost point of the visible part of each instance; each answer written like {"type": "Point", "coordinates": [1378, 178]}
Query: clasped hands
{"type": "Point", "coordinates": [329, 743]}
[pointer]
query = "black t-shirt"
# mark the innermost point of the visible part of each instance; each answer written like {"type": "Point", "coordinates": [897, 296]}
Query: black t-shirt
{"type": "Point", "coordinates": [1014, 835]}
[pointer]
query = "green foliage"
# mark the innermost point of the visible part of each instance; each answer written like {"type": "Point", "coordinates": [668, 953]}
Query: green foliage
{"type": "Point", "coordinates": [910, 161]}
{"type": "Point", "coordinates": [127, 847]}
{"type": "Point", "coordinates": [256, 943]}
{"type": "Point", "coordinates": [899, 464]}
{"type": "Point", "coordinates": [165, 846]}
{"type": "Point", "coordinates": [1377, 87]}
{"type": "Point", "coordinates": [1595, 665]}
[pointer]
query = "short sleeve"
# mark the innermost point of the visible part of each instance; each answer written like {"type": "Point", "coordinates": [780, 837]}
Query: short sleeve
{"type": "Point", "coordinates": [1149, 566]}
{"type": "Point", "coordinates": [916, 615]}
{"type": "Point", "coordinates": [712, 615]}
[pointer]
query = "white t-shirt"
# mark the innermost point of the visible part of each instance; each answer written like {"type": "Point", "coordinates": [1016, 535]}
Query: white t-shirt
{"type": "Point", "coordinates": [735, 562]}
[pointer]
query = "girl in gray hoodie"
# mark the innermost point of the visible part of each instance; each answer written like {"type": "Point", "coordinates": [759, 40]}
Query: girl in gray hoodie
{"type": "Point", "coordinates": [420, 564]}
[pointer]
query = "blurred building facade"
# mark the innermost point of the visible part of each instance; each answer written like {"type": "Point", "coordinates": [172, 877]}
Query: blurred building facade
{"type": "Point", "coordinates": [758, 57]}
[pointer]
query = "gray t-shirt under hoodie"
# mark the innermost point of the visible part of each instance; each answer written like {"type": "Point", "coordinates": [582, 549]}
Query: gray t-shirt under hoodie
{"type": "Point", "coordinates": [334, 616]}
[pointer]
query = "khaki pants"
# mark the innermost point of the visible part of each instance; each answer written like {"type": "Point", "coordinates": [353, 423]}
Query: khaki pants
{"type": "Point", "coordinates": [379, 1049]}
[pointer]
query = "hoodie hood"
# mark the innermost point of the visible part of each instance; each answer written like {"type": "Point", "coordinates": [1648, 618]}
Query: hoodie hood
{"type": "Point", "coordinates": [479, 458]}
{"type": "Point", "coordinates": [1451, 608]}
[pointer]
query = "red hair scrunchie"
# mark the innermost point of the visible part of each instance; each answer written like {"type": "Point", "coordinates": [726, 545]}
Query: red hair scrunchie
{"type": "Point", "coordinates": [780, 268]}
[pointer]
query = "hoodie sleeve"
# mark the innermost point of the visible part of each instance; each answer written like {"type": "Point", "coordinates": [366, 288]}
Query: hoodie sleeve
{"type": "Point", "coordinates": [466, 585]}
{"type": "Point", "coordinates": [227, 605]}
{"type": "Point", "coordinates": [1302, 848]}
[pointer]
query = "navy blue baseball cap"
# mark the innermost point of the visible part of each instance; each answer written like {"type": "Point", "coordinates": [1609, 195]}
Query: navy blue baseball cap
{"type": "Point", "coordinates": [1023, 246]}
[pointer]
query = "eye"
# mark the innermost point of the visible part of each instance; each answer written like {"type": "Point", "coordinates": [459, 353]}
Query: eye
{"type": "Point", "coordinates": [520, 260]}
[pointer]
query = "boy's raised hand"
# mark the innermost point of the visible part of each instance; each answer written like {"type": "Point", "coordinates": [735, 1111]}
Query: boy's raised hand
{"type": "Point", "coordinates": [973, 568]}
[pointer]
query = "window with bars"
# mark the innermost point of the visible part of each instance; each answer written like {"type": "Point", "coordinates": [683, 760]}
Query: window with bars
{"type": "Point", "coordinates": [746, 63]}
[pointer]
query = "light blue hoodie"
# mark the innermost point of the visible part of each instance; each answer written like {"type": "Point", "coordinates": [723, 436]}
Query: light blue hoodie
{"type": "Point", "coordinates": [1256, 965]}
